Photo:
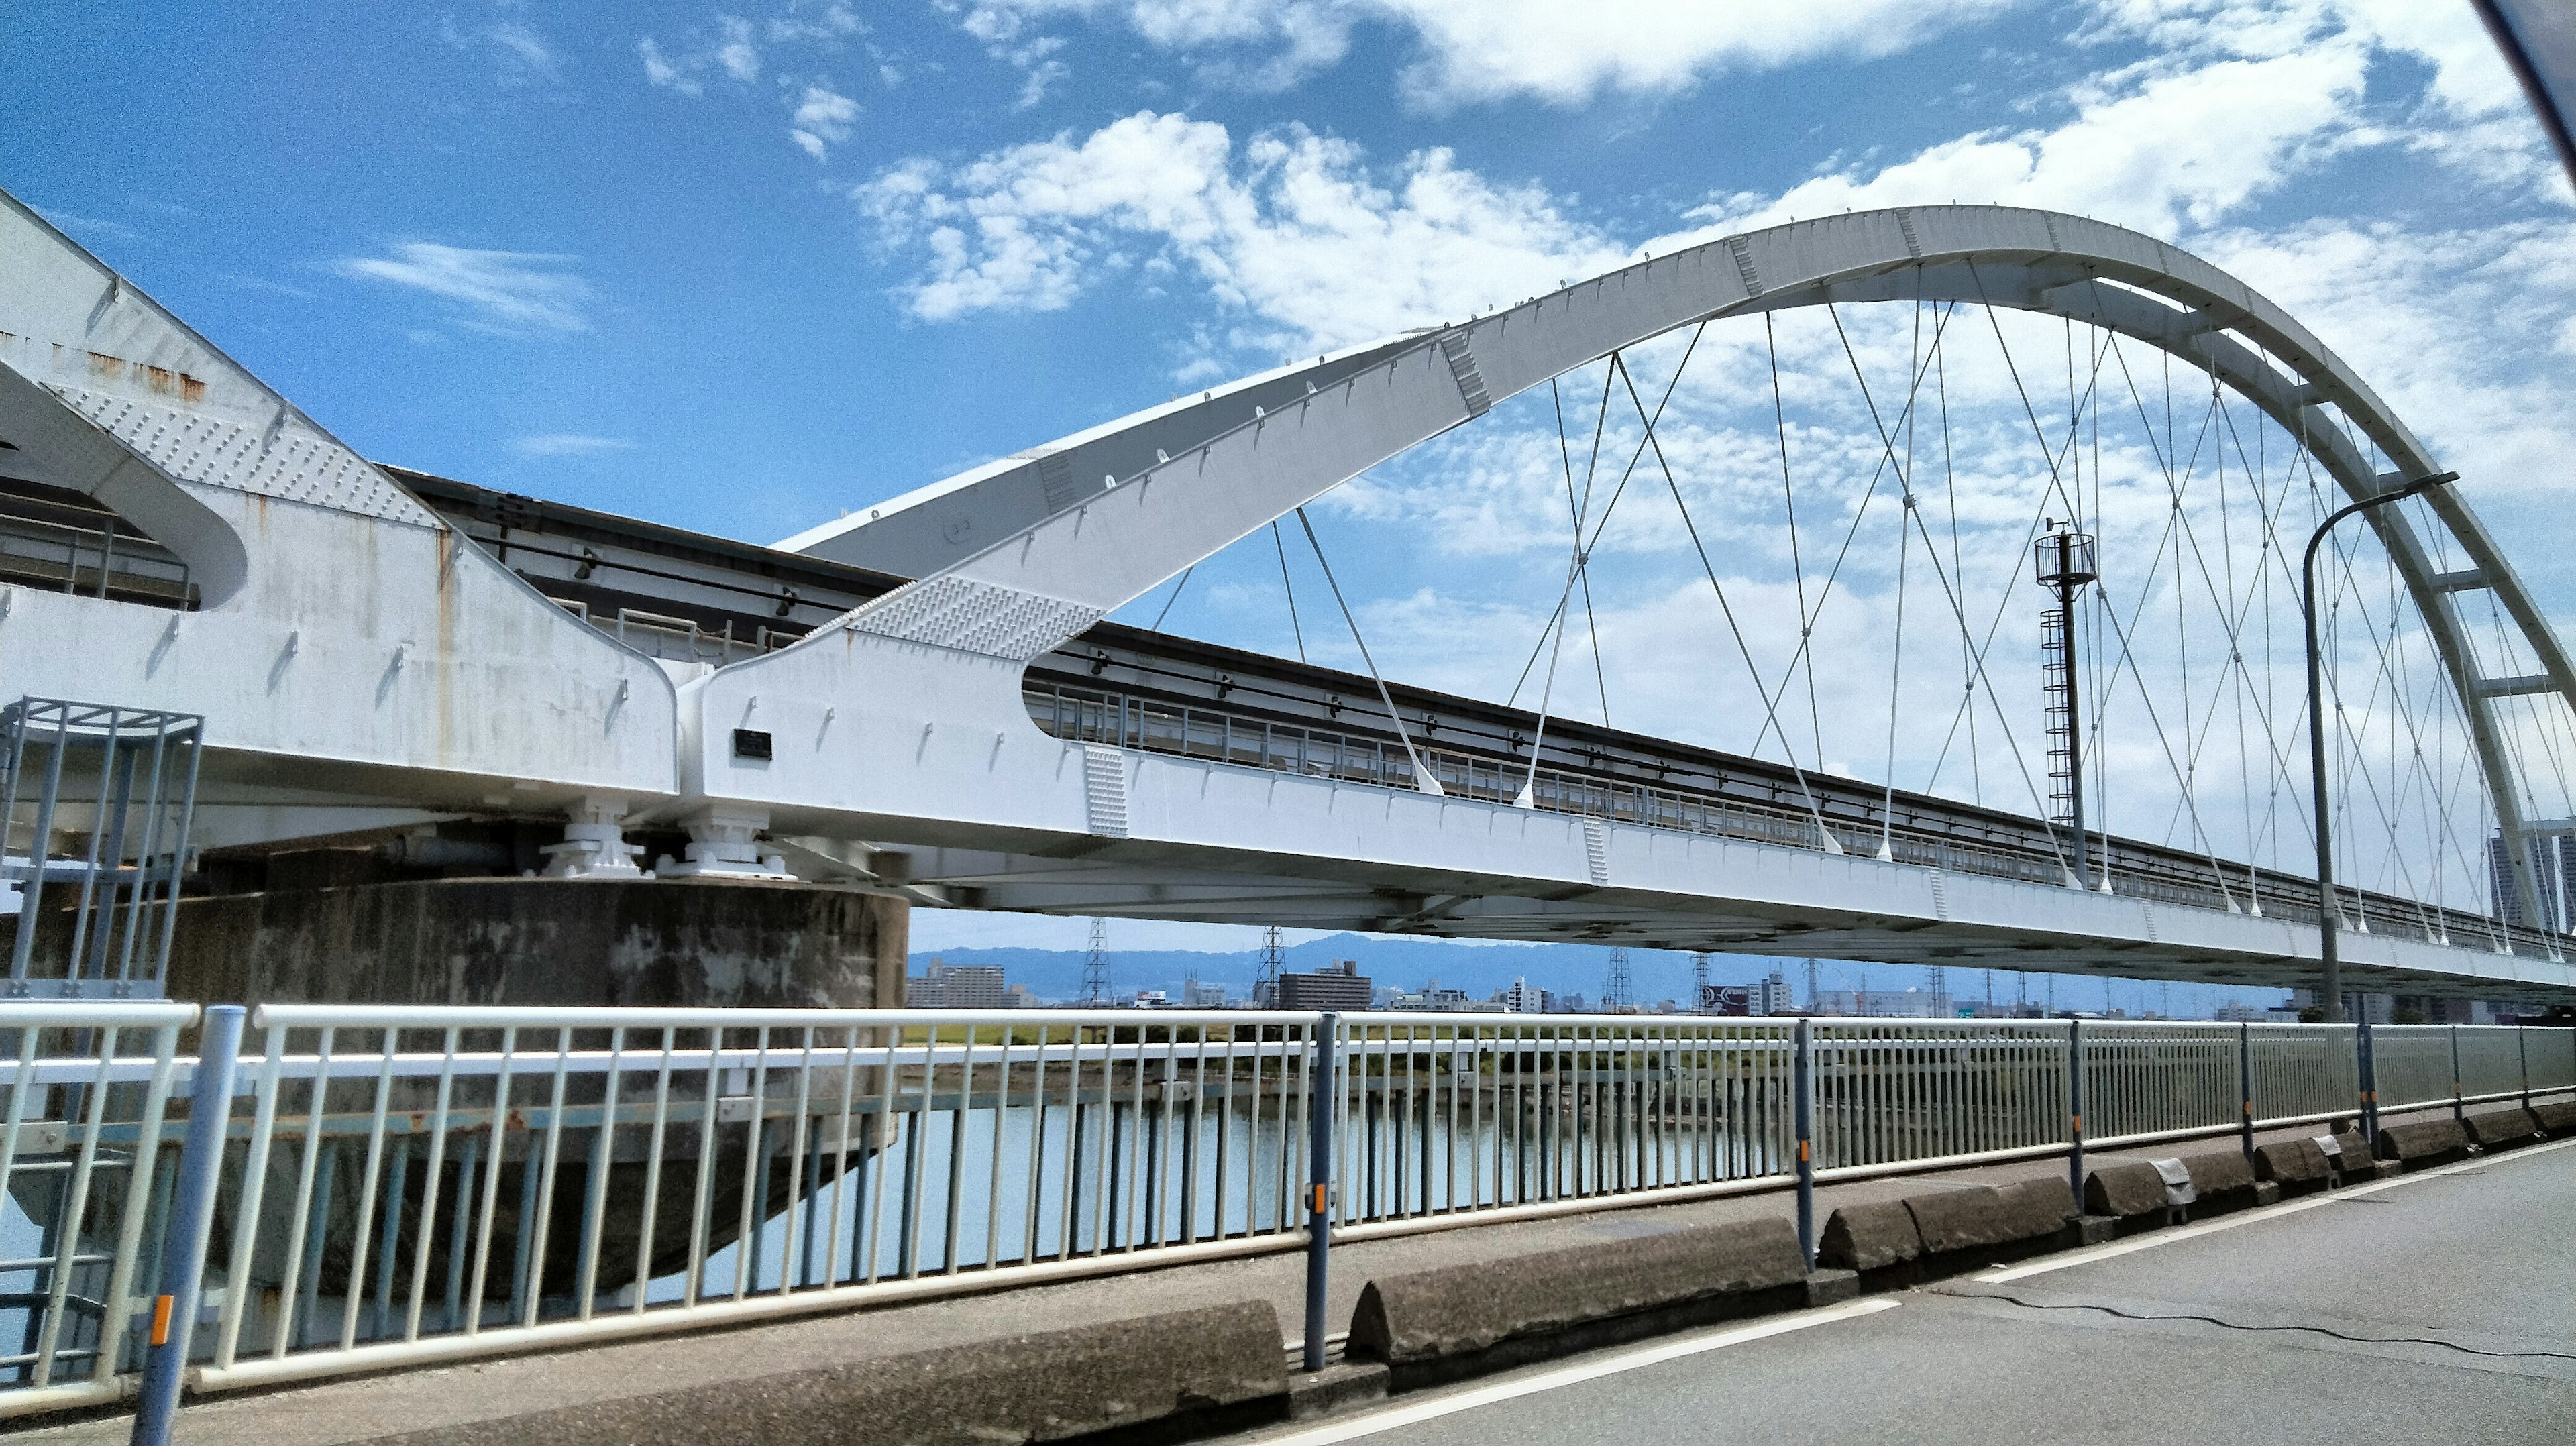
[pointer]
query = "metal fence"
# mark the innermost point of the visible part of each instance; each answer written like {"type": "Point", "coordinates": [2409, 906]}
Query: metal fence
{"type": "Point", "coordinates": [1121, 720]}
{"type": "Point", "coordinates": [399, 1185]}
{"type": "Point", "coordinates": [85, 1177]}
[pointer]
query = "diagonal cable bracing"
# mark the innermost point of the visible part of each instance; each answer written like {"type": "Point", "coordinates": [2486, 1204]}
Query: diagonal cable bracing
{"type": "Point", "coordinates": [1293, 626]}
{"type": "Point", "coordinates": [1422, 775]}
{"type": "Point", "coordinates": [1769, 709]}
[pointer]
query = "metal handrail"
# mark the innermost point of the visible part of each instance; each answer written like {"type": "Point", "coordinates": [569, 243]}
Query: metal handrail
{"type": "Point", "coordinates": [1121, 720]}
{"type": "Point", "coordinates": [406, 1185]}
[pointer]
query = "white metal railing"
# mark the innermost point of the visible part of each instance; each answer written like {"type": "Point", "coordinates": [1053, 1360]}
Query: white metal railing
{"type": "Point", "coordinates": [1157, 726]}
{"type": "Point", "coordinates": [401, 1185]}
{"type": "Point", "coordinates": [85, 1175]}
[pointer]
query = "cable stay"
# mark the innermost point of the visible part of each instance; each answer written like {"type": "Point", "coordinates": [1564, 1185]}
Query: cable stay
{"type": "Point", "coordinates": [1421, 775]}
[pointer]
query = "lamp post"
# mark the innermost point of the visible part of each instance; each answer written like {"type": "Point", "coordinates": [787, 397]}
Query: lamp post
{"type": "Point", "coordinates": [2329, 915]}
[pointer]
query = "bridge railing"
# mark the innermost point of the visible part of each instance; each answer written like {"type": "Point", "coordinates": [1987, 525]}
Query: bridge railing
{"type": "Point", "coordinates": [86, 1167]}
{"type": "Point", "coordinates": [401, 1186]}
{"type": "Point", "coordinates": [1122, 720]}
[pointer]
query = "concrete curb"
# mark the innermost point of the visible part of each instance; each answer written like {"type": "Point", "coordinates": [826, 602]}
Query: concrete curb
{"type": "Point", "coordinates": [2423, 1143]}
{"type": "Point", "coordinates": [1437, 1325]}
{"type": "Point", "coordinates": [2224, 1179]}
{"type": "Point", "coordinates": [2557, 1118]}
{"type": "Point", "coordinates": [2503, 1129]}
{"type": "Point", "coordinates": [2297, 1166]}
{"type": "Point", "coordinates": [1187, 1373]}
{"type": "Point", "coordinates": [2133, 1191]}
{"type": "Point", "coordinates": [1869, 1237]}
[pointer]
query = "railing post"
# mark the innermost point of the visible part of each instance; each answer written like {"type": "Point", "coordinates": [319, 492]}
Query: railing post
{"type": "Point", "coordinates": [2369, 1071]}
{"type": "Point", "coordinates": [1802, 1086]}
{"type": "Point", "coordinates": [2522, 1053]}
{"type": "Point", "coordinates": [2245, 1086]}
{"type": "Point", "coordinates": [192, 1217]}
{"type": "Point", "coordinates": [2075, 1107]}
{"type": "Point", "coordinates": [2459, 1097]}
{"type": "Point", "coordinates": [1319, 1182]}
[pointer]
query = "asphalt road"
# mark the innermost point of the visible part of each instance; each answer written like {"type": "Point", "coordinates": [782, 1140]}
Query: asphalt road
{"type": "Point", "coordinates": [2462, 1284]}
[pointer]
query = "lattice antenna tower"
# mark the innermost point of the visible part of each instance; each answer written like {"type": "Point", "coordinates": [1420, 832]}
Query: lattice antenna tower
{"type": "Point", "coordinates": [1699, 983]}
{"type": "Point", "coordinates": [1095, 966]}
{"type": "Point", "coordinates": [2065, 560]}
{"type": "Point", "coordinates": [1265, 989]}
{"type": "Point", "coordinates": [1617, 992]}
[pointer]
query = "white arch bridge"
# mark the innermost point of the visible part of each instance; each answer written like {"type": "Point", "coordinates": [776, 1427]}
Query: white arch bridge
{"type": "Point", "coordinates": [925, 696]}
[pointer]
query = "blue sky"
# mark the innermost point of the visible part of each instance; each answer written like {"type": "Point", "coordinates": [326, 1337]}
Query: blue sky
{"type": "Point", "coordinates": [739, 266]}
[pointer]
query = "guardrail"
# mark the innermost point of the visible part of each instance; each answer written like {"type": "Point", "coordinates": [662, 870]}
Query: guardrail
{"type": "Point", "coordinates": [396, 1186]}
{"type": "Point", "coordinates": [1151, 725]}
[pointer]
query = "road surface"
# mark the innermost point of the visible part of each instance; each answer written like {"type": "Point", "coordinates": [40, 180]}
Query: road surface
{"type": "Point", "coordinates": [2437, 1307]}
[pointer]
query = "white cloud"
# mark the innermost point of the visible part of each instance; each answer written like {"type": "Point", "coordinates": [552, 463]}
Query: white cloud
{"type": "Point", "coordinates": [568, 444]}
{"type": "Point", "coordinates": [818, 116]}
{"type": "Point", "coordinates": [822, 119]}
{"type": "Point", "coordinates": [522, 55]}
{"type": "Point", "coordinates": [1296, 232]}
{"type": "Point", "coordinates": [507, 292]}
{"type": "Point", "coordinates": [1490, 50]}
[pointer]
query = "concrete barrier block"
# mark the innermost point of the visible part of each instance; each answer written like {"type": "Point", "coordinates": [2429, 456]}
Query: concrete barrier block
{"type": "Point", "coordinates": [2357, 1153]}
{"type": "Point", "coordinates": [2293, 1164]}
{"type": "Point", "coordinates": [1869, 1237]}
{"type": "Point", "coordinates": [2557, 1117]}
{"type": "Point", "coordinates": [2126, 1190]}
{"type": "Point", "coordinates": [1985, 1218]}
{"type": "Point", "coordinates": [2224, 1180]}
{"type": "Point", "coordinates": [2503, 1129]}
{"type": "Point", "coordinates": [1832, 1287]}
{"type": "Point", "coordinates": [2041, 1207]}
{"type": "Point", "coordinates": [1438, 1324]}
{"type": "Point", "coordinates": [1971, 1218]}
{"type": "Point", "coordinates": [2425, 1142]}
{"type": "Point", "coordinates": [1217, 1368]}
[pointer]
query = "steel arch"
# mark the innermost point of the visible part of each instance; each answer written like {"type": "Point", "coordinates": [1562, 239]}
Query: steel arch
{"type": "Point", "coordinates": [1017, 557]}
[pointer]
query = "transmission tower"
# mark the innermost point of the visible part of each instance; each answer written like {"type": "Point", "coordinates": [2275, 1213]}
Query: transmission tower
{"type": "Point", "coordinates": [1813, 1000]}
{"type": "Point", "coordinates": [1095, 966]}
{"type": "Point", "coordinates": [1936, 979]}
{"type": "Point", "coordinates": [1265, 989]}
{"type": "Point", "coordinates": [2065, 561]}
{"type": "Point", "coordinates": [1616, 991]}
{"type": "Point", "coordinates": [1699, 983]}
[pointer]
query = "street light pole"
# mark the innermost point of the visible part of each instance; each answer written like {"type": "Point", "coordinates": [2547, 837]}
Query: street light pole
{"type": "Point", "coordinates": [2329, 915]}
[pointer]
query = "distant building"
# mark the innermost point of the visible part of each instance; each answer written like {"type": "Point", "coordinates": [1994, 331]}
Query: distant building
{"type": "Point", "coordinates": [1341, 987]}
{"type": "Point", "coordinates": [1886, 1003]}
{"type": "Point", "coordinates": [1772, 998]}
{"type": "Point", "coordinates": [2238, 1012]}
{"type": "Point", "coordinates": [1195, 995]}
{"type": "Point", "coordinates": [1522, 997]}
{"type": "Point", "coordinates": [2553, 871]}
{"type": "Point", "coordinates": [1433, 998]}
{"type": "Point", "coordinates": [959, 986]}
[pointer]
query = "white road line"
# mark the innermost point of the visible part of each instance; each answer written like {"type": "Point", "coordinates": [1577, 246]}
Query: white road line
{"type": "Point", "coordinates": [1611, 1365]}
{"type": "Point", "coordinates": [2179, 1234]}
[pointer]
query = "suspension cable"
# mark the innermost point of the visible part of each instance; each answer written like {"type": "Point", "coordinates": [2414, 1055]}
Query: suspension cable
{"type": "Point", "coordinates": [1294, 628]}
{"type": "Point", "coordinates": [1429, 784]}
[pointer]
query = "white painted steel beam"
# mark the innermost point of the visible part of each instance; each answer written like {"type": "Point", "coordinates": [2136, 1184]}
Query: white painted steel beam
{"type": "Point", "coordinates": [357, 658]}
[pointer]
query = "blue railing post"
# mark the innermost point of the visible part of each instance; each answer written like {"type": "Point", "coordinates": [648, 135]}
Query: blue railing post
{"type": "Point", "coordinates": [2369, 1068]}
{"type": "Point", "coordinates": [1802, 1086]}
{"type": "Point", "coordinates": [192, 1217]}
{"type": "Point", "coordinates": [2075, 1107]}
{"type": "Point", "coordinates": [2245, 1086]}
{"type": "Point", "coordinates": [1319, 1182]}
{"type": "Point", "coordinates": [2459, 1095]}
